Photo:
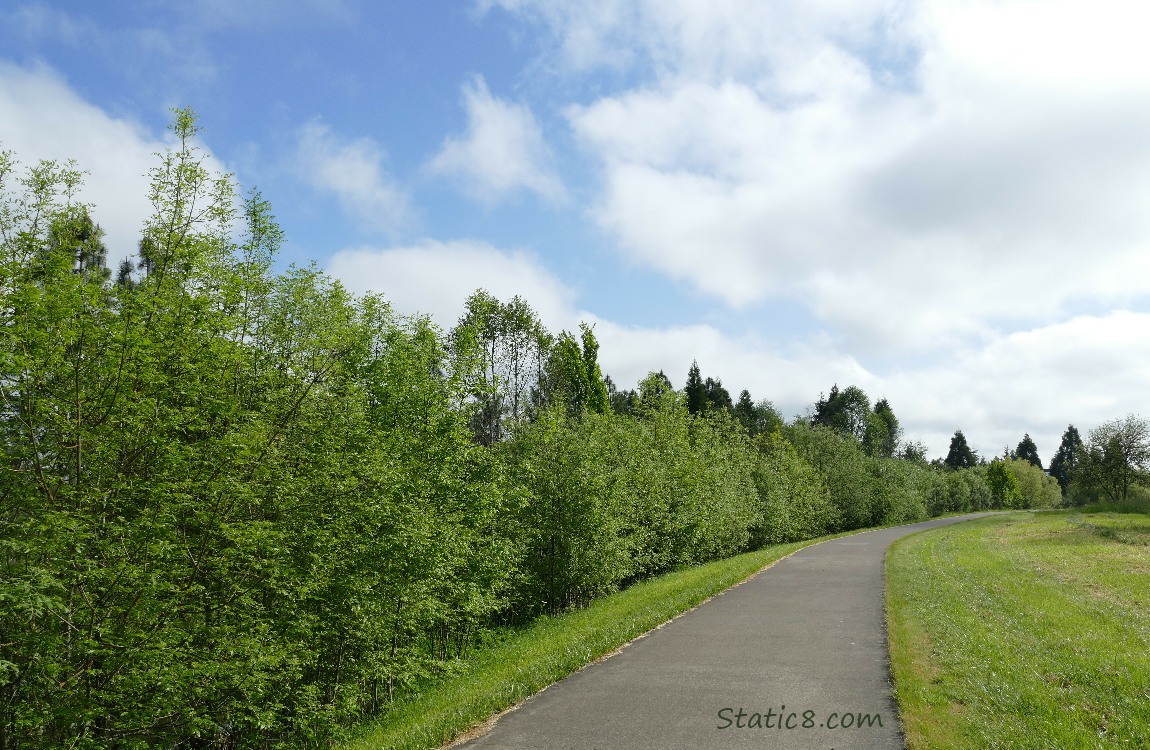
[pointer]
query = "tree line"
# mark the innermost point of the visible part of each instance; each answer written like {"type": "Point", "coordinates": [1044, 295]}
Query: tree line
{"type": "Point", "coordinates": [245, 508]}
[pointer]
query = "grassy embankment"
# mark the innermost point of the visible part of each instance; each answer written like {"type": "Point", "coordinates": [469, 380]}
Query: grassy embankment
{"type": "Point", "coordinates": [552, 648]}
{"type": "Point", "coordinates": [1023, 631]}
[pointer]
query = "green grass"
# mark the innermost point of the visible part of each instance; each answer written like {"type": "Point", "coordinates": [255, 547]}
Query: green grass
{"type": "Point", "coordinates": [508, 672]}
{"type": "Point", "coordinates": [1028, 630]}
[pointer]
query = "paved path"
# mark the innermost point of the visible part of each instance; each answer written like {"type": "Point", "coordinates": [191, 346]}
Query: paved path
{"type": "Point", "coordinates": [804, 640]}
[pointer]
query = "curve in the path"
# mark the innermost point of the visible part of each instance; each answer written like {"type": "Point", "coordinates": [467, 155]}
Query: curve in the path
{"type": "Point", "coordinates": [795, 657]}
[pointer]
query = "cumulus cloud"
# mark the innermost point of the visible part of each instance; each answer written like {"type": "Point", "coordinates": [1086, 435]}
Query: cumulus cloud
{"type": "Point", "coordinates": [919, 174]}
{"type": "Point", "coordinates": [435, 278]}
{"type": "Point", "coordinates": [503, 150]}
{"type": "Point", "coordinates": [42, 117]}
{"type": "Point", "coordinates": [1081, 371]}
{"type": "Point", "coordinates": [354, 171]}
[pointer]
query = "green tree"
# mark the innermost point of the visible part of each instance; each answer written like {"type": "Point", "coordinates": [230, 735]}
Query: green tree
{"type": "Point", "coordinates": [848, 412]}
{"type": "Point", "coordinates": [794, 502]}
{"type": "Point", "coordinates": [1066, 459]}
{"type": "Point", "coordinates": [503, 347]}
{"type": "Point", "coordinates": [1116, 460]}
{"type": "Point", "coordinates": [884, 432]}
{"type": "Point", "coordinates": [716, 396]}
{"type": "Point", "coordinates": [914, 451]}
{"type": "Point", "coordinates": [1036, 488]}
{"type": "Point", "coordinates": [597, 399]}
{"type": "Point", "coordinates": [695, 390]}
{"type": "Point", "coordinates": [622, 402]}
{"type": "Point", "coordinates": [960, 456]}
{"type": "Point", "coordinates": [757, 418]}
{"type": "Point", "coordinates": [1028, 451]}
{"type": "Point", "coordinates": [1003, 485]}
{"type": "Point", "coordinates": [573, 377]}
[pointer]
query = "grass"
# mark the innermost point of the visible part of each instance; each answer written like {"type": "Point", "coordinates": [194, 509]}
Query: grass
{"type": "Point", "coordinates": [510, 671]}
{"type": "Point", "coordinates": [1027, 630]}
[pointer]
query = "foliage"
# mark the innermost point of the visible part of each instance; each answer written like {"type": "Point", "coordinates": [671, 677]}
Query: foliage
{"type": "Point", "coordinates": [794, 502]}
{"type": "Point", "coordinates": [1028, 451]}
{"type": "Point", "coordinates": [1038, 490]}
{"type": "Point", "coordinates": [883, 432]}
{"type": "Point", "coordinates": [960, 456]}
{"type": "Point", "coordinates": [502, 349]}
{"type": "Point", "coordinates": [1003, 485]}
{"type": "Point", "coordinates": [1065, 460]}
{"type": "Point", "coordinates": [246, 508]}
{"type": "Point", "coordinates": [1115, 462]}
{"type": "Point", "coordinates": [243, 508]}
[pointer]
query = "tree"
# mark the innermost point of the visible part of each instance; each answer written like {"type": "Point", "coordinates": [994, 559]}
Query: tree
{"type": "Point", "coordinates": [1117, 459]}
{"type": "Point", "coordinates": [597, 400]}
{"type": "Point", "coordinates": [885, 432]}
{"type": "Point", "coordinates": [1028, 451]}
{"type": "Point", "coordinates": [622, 402]}
{"type": "Point", "coordinates": [960, 456]}
{"type": "Point", "coordinates": [503, 348]}
{"type": "Point", "coordinates": [1036, 488]}
{"type": "Point", "coordinates": [914, 450]}
{"type": "Point", "coordinates": [695, 390]}
{"type": "Point", "coordinates": [847, 411]}
{"type": "Point", "coordinates": [1003, 485]}
{"type": "Point", "coordinates": [760, 418]}
{"type": "Point", "coordinates": [572, 376]}
{"type": "Point", "coordinates": [1066, 459]}
{"type": "Point", "coordinates": [745, 411]}
{"type": "Point", "coordinates": [716, 396]}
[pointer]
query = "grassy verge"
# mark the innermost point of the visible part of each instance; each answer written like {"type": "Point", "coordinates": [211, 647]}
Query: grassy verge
{"type": "Point", "coordinates": [552, 648]}
{"type": "Point", "coordinates": [1029, 630]}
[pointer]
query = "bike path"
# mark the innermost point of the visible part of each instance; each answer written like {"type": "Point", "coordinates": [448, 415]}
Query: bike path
{"type": "Point", "coordinates": [780, 661]}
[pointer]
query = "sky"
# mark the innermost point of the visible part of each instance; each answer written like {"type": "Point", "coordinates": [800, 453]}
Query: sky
{"type": "Point", "coordinates": [945, 203]}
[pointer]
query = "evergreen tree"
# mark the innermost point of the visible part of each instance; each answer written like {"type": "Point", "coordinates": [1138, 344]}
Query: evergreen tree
{"type": "Point", "coordinates": [1028, 451]}
{"type": "Point", "coordinates": [847, 411]}
{"type": "Point", "coordinates": [695, 390]}
{"type": "Point", "coordinates": [745, 411]}
{"type": "Point", "coordinates": [716, 397]}
{"type": "Point", "coordinates": [1065, 461]}
{"type": "Point", "coordinates": [889, 431]}
{"type": "Point", "coordinates": [960, 456]}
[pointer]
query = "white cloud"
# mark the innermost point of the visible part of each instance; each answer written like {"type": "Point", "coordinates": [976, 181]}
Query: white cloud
{"type": "Point", "coordinates": [435, 278]}
{"type": "Point", "coordinates": [1081, 371]}
{"type": "Point", "coordinates": [918, 174]}
{"type": "Point", "coordinates": [353, 169]}
{"type": "Point", "coordinates": [502, 151]}
{"type": "Point", "coordinates": [41, 117]}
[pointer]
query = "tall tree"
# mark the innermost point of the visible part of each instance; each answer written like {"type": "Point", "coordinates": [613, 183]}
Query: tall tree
{"type": "Point", "coordinates": [1028, 451]}
{"type": "Point", "coordinates": [597, 399]}
{"type": "Point", "coordinates": [503, 347]}
{"type": "Point", "coordinates": [716, 397]}
{"type": "Point", "coordinates": [573, 377]}
{"type": "Point", "coordinates": [888, 431]}
{"type": "Point", "coordinates": [1003, 484]}
{"type": "Point", "coordinates": [1117, 458]}
{"type": "Point", "coordinates": [695, 390]}
{"type": "Point", "coordinates": [960, 456]}
{"type": "Point", "coordinates": [1066, 459]}
{"type": "Point", "coordinates": [847, 411]}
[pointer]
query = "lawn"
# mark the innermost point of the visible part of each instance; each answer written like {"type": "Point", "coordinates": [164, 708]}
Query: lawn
{"type": "Point", "coordinates": [1027, 630]}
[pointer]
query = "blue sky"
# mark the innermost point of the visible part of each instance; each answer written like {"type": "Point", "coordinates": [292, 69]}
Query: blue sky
{"type": "Point", "coordinates": [944, 203]}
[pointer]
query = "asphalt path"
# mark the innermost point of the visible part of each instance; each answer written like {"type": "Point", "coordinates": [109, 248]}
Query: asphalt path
{"type": "Point", "coordinates": [794, 657]}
